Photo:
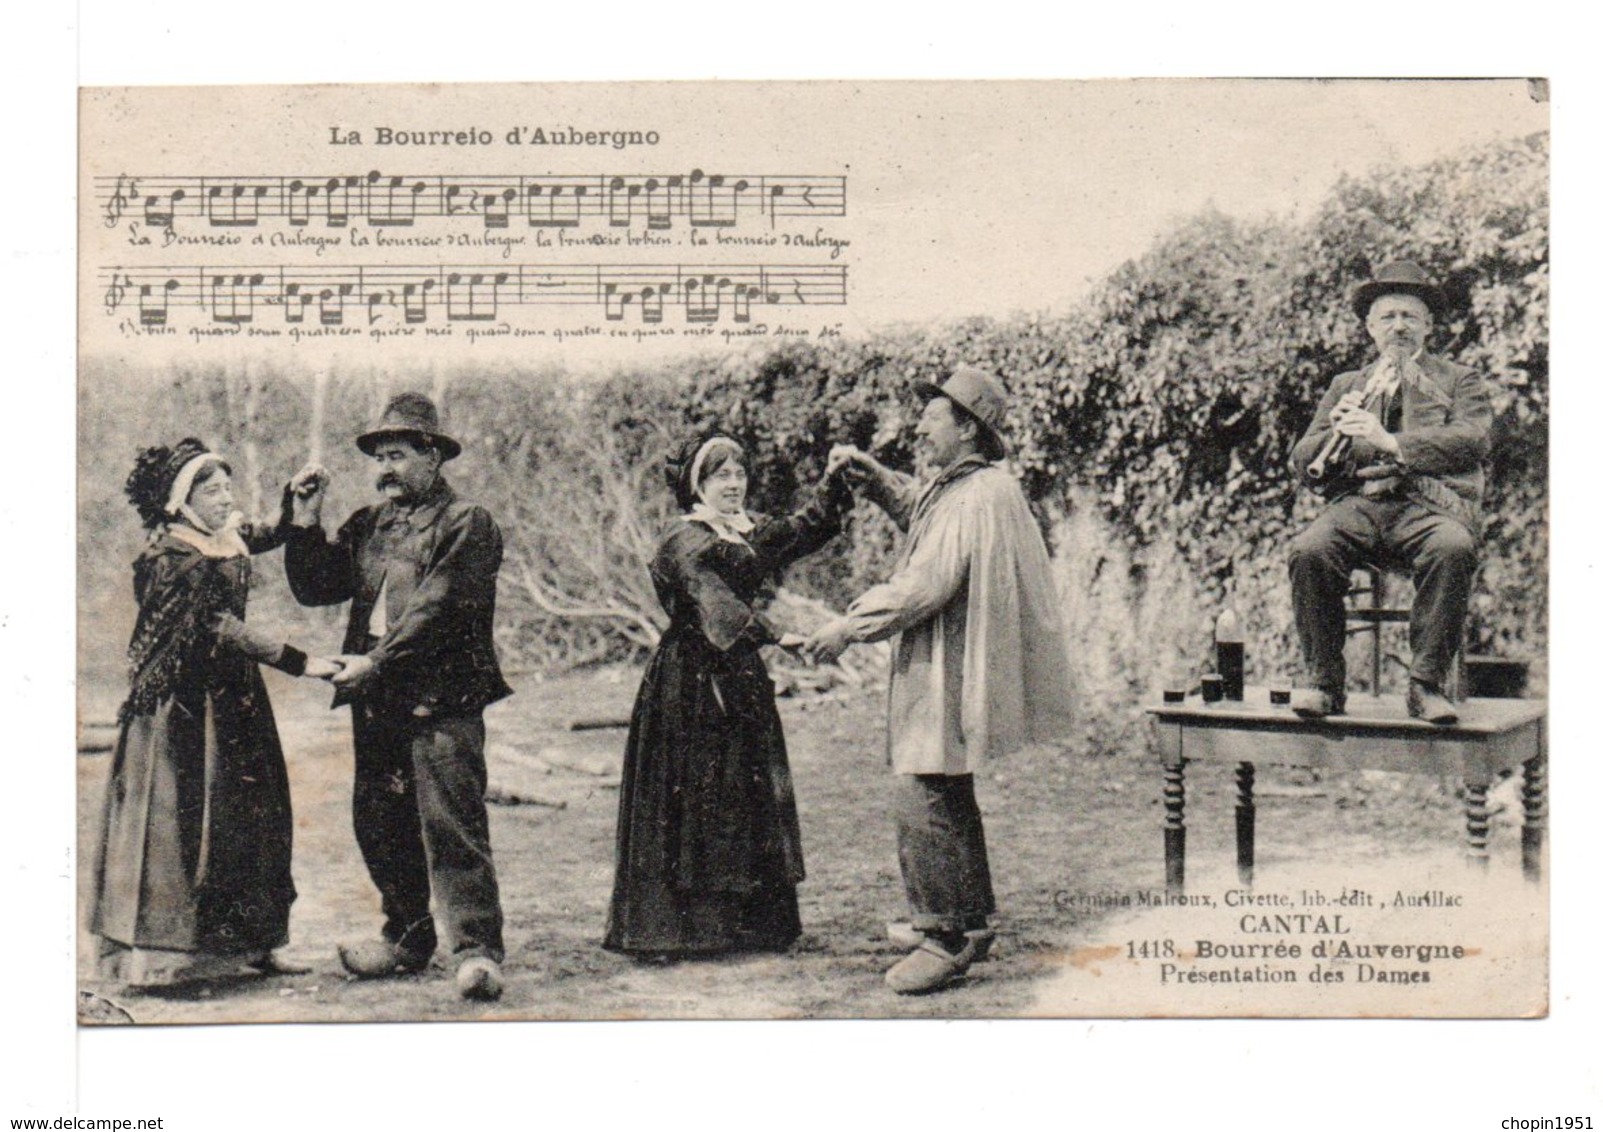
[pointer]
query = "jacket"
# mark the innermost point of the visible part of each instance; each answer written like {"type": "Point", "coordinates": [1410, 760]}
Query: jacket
{"type": "Point", "coordinates": [1444, 439]}
{"type": "Point", "coordinates": [980, 664]}
{"type": "Point", "coordinates": [436, 566]}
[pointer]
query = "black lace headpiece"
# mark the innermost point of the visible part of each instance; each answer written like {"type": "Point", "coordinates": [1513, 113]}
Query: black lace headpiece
{"type": "Point", "coordinates": [155, 470]}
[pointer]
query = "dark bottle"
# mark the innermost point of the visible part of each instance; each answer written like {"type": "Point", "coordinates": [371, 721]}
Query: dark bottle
{"type": "Point", "coordinates": [1230, 654]}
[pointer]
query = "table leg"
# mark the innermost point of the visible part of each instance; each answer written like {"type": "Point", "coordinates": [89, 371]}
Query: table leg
{"type": "Point", "coordinates": [1246, 814]}
{"type": "Point", "coordinates": [1478, 821]}
{"type": "Point", "coordinates": [1534, 795]}
{"type": "Point", "coordinates": [1174, 827]}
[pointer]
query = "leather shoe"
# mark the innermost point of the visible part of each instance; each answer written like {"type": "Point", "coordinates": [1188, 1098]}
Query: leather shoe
{"type": "Point", "coordinates": [1316, 703]}
{"type": "Point", "coordinates": [929, 967]}
{"type": "Point", "coordinates": [904, 934]}
{"type": "Point", "coordinates": [380, 959]}
{"type": "Point", "coordinates": [479, 978]}
{"type": "Point", "coordinates": [1425, 702]}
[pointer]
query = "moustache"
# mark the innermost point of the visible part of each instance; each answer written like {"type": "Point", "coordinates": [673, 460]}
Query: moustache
{"type": "Point", "coordinates": [388, 481]}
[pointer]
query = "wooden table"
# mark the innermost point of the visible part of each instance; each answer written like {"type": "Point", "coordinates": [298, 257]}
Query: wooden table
{"type": "Point", "coordinates": [1491, 736]}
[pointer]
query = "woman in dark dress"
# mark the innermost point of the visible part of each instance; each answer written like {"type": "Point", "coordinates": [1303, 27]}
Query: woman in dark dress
{"type": "Point", "coordinates": [193, 875]}
{"type": "Point", "coordinates": [709, 848]}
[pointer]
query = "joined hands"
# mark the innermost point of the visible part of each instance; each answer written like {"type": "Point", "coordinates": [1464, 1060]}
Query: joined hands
{"type": "Point", "coordinates": [321, 667]}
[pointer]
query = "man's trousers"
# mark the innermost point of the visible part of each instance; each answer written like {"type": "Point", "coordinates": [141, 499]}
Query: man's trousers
{"type": "Point", "coordinates": [1354, 532]}
{"type": "Point", "coordinates": [421, 824]}
{"type": "Point", "coordinates": [941, 842]}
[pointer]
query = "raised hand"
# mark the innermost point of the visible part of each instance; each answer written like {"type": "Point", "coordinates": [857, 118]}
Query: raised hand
{"type": "Point", "coordinates": [852, 462]}
{"type": "Point", "coordinates": [307, 489]}
{"type": "Point", "coordinates": [840, 456]}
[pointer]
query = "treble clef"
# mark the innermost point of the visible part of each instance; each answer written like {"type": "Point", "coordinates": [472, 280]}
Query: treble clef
{"type": "Point", "coordinates": [115, 293]}
{"type": "Point", "coordinates": [119, 200]}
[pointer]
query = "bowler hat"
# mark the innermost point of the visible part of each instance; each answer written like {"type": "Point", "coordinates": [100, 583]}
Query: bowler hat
{"type": "Point", "coordinates": [410, 415]}
{"type": "Point", "coordinates": [1404, 277]}
{"type": "Point", "coordinates": [980, 395]}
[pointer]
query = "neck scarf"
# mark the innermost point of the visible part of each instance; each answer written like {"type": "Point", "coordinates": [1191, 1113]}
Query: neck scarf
{"type": "Point", "coordinates": [226, 543]}
{"type": "Point", "coordinates": [730, 528]}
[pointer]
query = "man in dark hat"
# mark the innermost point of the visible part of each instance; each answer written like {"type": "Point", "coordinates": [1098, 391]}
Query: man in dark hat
{"type": "Point", "coordinates": [419, 570]}
{"type": "Point", "coordinates": [1396, 448]}
{"type": "Point", "coordinates": [979, 664]}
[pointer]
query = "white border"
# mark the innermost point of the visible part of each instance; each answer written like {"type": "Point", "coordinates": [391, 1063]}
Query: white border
{"type": "Point", "coordinates": [1122, 1074]}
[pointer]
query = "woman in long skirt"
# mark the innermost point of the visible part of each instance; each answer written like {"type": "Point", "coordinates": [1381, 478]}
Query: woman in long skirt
{"type": "Point", "coordinates": [193, 875]}
{"type": "Point", "coordinates": [709, 848]}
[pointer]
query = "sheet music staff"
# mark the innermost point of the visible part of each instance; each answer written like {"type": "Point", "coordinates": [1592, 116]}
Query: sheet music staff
{"type": "Point", "coordinates": [656, 202]}
{"type": "Point", "coordinates": [329, 295]}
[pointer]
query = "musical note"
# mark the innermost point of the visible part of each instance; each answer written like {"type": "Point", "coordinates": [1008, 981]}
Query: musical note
{"type": "Point", "coordinates": [568, 200]}
{"type": "Point", "coordinates": [337, 200]}
{"type": "Point", "coordinates": [153, 302]}
{"type": "Point", "coordinates": [225, 297]}
{"type": "Point", "coordinates": [295, 302]}
{"type": "Point", "coordinates": [659, 202]}
{"type": "Point", "coordinates": [614, 301]}
{"type": "Point", "coordinates": [703, 298]}
{"type": "Point", "coordinates": [299, 192]}
{"type": "Point", "coordinates": [409, 298]}
{"type": "Point", "coordinates": [651, 303]}
{"type": "Point", "coordinates": [382, 209]}
{"type": "Point", "coordinates": [451, 196]}
{"type": "Point", "coordinates": [497, 208]}
{"type": "Point", "coordinates": [415, 301]}
{"type": "Point", "coordinates": [720, 203]}
{"type": "Point", "coordinates": [224, 205]}
{"type": "Point", "coordinates": [629, 191]}
{"type": "Point", "coordinates": [331, 304]}
{"type": "Point", "coordinates": [474, 297]}
{"type": "Point", "coordinates": [158, 217]}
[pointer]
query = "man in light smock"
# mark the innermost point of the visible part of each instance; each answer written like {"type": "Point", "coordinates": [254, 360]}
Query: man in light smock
{"type": "Point", "coordinates": [979, 663]}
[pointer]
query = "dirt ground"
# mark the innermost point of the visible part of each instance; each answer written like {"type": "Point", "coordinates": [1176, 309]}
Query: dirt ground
{"type": "Point", "coordinates": [1055, 823]}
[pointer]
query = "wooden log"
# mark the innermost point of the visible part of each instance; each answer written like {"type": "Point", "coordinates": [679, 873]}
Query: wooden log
{"type": "Point", "coordinates": [496, 796]}
{"type": "Point", "coordinates": [598, 723]}
{"type": "Point", "coordinates": [501, 753]}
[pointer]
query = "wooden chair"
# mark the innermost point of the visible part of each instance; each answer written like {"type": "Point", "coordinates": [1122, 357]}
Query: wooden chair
{"type": "Point", "coordinates": [1377, 600]}
{"type": "Point", "coordinates": [1374, 605]}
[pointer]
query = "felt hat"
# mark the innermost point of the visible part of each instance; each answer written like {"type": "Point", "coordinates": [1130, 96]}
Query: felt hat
{"type": "Point", "coordinates": [1404, 277]}
{"type": "Point", "coordinates": [414, 416]}
{"type": "Point", "coordinates": [979, 394]}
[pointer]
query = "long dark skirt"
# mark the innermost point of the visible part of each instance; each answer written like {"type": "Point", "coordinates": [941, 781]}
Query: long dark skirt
{"type": "Point", "coordinates": [709, 847]}
{"type": "Point", "coordinates": [194, 861]}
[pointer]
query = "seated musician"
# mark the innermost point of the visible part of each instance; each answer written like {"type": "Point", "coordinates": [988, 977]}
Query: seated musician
{"type": "Point", "coordinates": [1396, 448]}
